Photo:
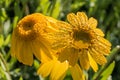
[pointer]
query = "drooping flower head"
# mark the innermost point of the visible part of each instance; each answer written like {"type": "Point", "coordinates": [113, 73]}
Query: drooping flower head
{"type": "Point", "coordinates": [30, 37]}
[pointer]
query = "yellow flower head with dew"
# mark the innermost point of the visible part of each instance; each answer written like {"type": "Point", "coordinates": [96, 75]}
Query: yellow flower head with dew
{"type": "Point", "coordinates": [30, 37]}
{"type": "Point", "coordinates": [85, 42]}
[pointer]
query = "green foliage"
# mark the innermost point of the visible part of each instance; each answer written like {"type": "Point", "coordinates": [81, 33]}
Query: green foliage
{"type": "Point", "coordinates": [11, 11]}
{"type": "Point", "coordinates": [108, 71]}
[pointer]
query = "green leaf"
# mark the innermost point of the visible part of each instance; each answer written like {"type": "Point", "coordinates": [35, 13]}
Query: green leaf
{"type": "Point", "coordinates": [20, 78]}
{"type": "Point", "coordinates": [6, 27]}
{"type": "Point", "coordinates": [15, 20]}
{"type": "Point", "coordinates": [36, 64]}
{"type": "Point", "coordinates": [7, 40]}
{"type": "Point", "coordinates": [56, 9]}
{"type": "Point", "coordinates": [44, 6]}
{"type": "Point", "coordinates": [108, 71]}
{"type": "Point", "coordinates": [1, 40]}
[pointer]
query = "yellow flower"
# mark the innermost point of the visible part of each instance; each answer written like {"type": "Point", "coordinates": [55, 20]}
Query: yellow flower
{"type": "Point", "coordinates": [57, 70]}
{"type": "Point", "coordinates": [31, 37]}
{"type": "Point", "coordinates": [84, 42]}
{"type": "Point", "coordinates": [65, 59]}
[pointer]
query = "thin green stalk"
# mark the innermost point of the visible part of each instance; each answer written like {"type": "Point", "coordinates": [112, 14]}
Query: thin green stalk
{"type": "Point", "coordinates": [4, 66]}
{"type": "Point", "coordinates": [110, 58]}
{"type": "Point", "coordinates": [52, 6]}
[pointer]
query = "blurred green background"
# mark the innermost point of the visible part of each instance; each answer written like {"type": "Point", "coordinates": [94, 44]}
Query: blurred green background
{"type": "Point", "coordinates": [107, 12]}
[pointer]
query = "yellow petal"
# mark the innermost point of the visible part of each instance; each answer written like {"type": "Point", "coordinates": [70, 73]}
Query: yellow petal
{"type": "Point", "coordinates": [99, 58]}
{"type": "Point", "coordinates": [46, 68]}
{"type": "Point", "coordinates": [72, 18]}
{"type": "Point", "coordinates": [44, 57]}
{"type": "Point", "coordinates": [13, 45]}
{"type": "Point", "coordinates": [93, 64]}
{"type": "Point", "coordinates": [104, 41]}
{"type": "Point", "coordinates": [36, 50]}
{"type": "Point", "coordinates": [99, 32]}
{"type": "Point", "coordinates": [80, 44]}
{"type": "Point", "coordinates": [77, 73]}
{"type": "Point", "coordinates": [59, 70]}
{"type": "Point", "coordinates": [69, 54]}
{"type": "Point", "coordinates": [92, 23]}
{"type": "Point", "coordinates": [18, 50]}
{"type": "Point", "coordinates": [84, 60]}
{"type": "Point", "coordinates": [101, 48]}
{"type": "Point", "coordinates": [46, 48]}
{"type": "Point", "coordinates": [82, 17]}
{"type": "Point", "coordinates": [64, 26]}
{"type": "Point", "coordinates": [51, 23]}
{"type": "Point", "coordinates": [26, 56]}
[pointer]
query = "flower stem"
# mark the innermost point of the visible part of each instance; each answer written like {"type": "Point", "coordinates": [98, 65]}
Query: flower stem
{"type": "Point", "coordinates": [4, 66]}
{"type": "Point", "coordinates": [110, 58]}
{"type": "Point", "coordinates": [52, 6]}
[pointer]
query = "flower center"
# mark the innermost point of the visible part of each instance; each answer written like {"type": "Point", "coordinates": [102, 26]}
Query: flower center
{"type": "Point", "coordinates": [81, 35]}
{"type": "Point", "coordinates": [81, 38]}
{"type": "Point", "coordinates": [27, 30]}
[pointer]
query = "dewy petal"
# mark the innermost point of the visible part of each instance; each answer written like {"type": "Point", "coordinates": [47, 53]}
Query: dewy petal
{"type": "Point", "coordinates": [72, 18]}
{"type": "Point", "coordinates": [59, 70]}
{"type": "Point", "coordinates": [46, 68]}
{"type": "Point", "coordinates": [77, 73]}
{"type": "Point", "coordinates": [82, 16]}
{"type": "Point", "coordinates": [93, 64]}
{"type": "Point", "coordinates": [84, 60]}
{"type": "Point", "coordinates": [98, 57]}
{"type": "Point", "coordinates": [92, 23]}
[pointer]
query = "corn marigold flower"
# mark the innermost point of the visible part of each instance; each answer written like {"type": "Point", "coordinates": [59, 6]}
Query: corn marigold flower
{"type": "Point", "coordinates": [82, 42]}
{"type": "Point", "coordinates": [30, 38]}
